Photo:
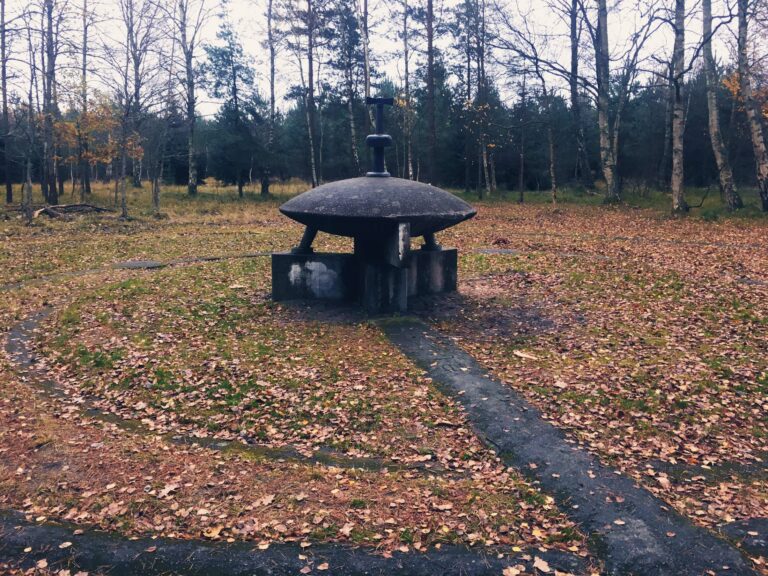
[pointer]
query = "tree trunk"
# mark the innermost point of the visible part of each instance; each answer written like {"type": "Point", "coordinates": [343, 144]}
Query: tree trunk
{"type": "Point", "coordinates": [310, 92]}
{"type": "Point", "coordinates": [602, 63]}
{"type": "Point", "coordinates": [407, 118]}
{"type": "Point", "coordinates": [156, 196]}
{"type": "Point", "coordinates": [725, 174]}
{"type": "Point", "coordinates": [136, 59]}
{"type": "Point", "coordinates": [352, 128]}
{"type": "Point", "coordinates": [662, 174]}
{"type": "Point", "coordinates": [4, 88]}
{"type": "Point", "coordinates": [82, 124]}
{"type": "Point", "coordinates": [492, 163]}
{"type": "Point", "coordinates": [482, 93]}
{"type": "Point", "coordinates": [26, 191]}
{"type": "Point", "coordinates": [521, 161]}
{"type": "Point", "coordinates": [679, 205]}
{"type": "Point", "coordinates": [431, 118]}
{"type": "Point", "coordinates": [551, 146]}
{"type": "Point", "coordinates": [267, 174]}
{"type": "Point", "coordinates": [191, 123]}
{"type": "Point", "coordinates": [583, 171]}
{"type": "Point", "coordinates": [124, 176]}
{"type": "Point", "coordinates": [752, 109]}
{"type": "Point", "coordinates": [187, 47]}
{"type": "Point", "coordinates": [49, 166]}
{"type": "Point", "coordinates": [468, 102]}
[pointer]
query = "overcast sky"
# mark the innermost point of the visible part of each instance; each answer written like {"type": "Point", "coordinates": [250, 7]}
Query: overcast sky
{"type": "Point", "coordinates": [248, 18]}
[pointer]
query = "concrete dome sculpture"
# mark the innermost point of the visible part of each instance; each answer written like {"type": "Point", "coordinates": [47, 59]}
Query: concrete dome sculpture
{"type": "Point", "coordinates": [359, 206]}
{"type": "Point", "coordinates": [382, 214]}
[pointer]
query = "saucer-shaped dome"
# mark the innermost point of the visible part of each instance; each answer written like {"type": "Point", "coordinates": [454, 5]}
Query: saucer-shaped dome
{"type": "Point", "coordinates": [362, 206]}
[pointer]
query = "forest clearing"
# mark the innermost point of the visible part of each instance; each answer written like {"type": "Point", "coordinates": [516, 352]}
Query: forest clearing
{"type": "Point", "coordinates": [392, 288]}
{"type": "Point", "coordinates": [175, 399]}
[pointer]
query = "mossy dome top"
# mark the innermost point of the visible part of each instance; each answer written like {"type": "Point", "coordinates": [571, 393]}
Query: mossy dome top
{"type": "Point", "coordinates": [360, 206]}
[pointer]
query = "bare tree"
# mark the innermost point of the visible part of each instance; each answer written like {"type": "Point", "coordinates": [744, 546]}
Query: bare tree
{"type": "Point", "coordinates": [345, 58]}
{"type": "Point", "coordinates": [751, 107]}
{"type": "Point", "coordinates": [303, 26]}
{"type": "Point", "coordinates": [52, 18]}
{"type": "Point", "coordinates": [609, 121]}
{"type": "Point", "coordinates": [361, 7]}
{"type": "Point", "coordinates": [187, 18]}
{"type": "Point", "coordinates": [570, 12]}
{"type": "Point", "coordinates": [679, 205]}
{"type": "Point", "coordinates": [4, 56]}
{"type": "Point", "coordinates": [161, 141]}
{"type": "Point", "coordinates": [482, 95]}
{"type": "Point", "coordinates": [725, 174]}
{"type": "Point", "coordinates": [662, 172]}
{"type": "Point", "coordinates": [583, 170]}
{"type": "Point", "coordinates": [142, 25]}
{"type": "Point", "coordinates": [610, 89]}
{"type": "Point", "coordinates": [135, 82]}
{"type": "Point", "coordinates": [431, 114]}
{"type": "Point", "coordinates": [82, 126]}
{"type": "Point", "coordinates": [272, 42]}
{"type": "Point", "coordinates": [407, 109]}
{"type": "Point", "coordinates": [526, 47]}
{"type": "Point", "coordinates": [29, 113]}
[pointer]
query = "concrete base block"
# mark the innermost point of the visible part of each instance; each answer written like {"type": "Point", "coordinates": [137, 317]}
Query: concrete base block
{"type": "Point", "coordinates": [314, 276]}
{"type": "Point", "coordinates": [377, 285]}
{"type": "Point", "coordinates": [432, 271]}
{"type": "Point", "coordinates": [384, 288]}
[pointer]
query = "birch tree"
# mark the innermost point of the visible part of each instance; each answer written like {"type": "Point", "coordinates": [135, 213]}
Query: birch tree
{"type": "Point", "coordinates": [679, 205]}
{"type": "Point", "coordinates": [187, 18]}
{"type": "Point", "coordinates": [303, 32]}
{"type": "Point", "coordinates": [724, 173]}
{"type": "Point", "coordinates": [750, 105]}
{"type": "Point", "coordinates": [82, 125]}
{"type": "Point", "coordinates": [609, 116]}
{"type": "Point", "coordinates": [6, 126]}
{"type": "Point", "coordinates": [431, 113]}
{"type": "Point", "coordinates": [272, 43]}
{"type": "Point", "coordinates": [143, 32]}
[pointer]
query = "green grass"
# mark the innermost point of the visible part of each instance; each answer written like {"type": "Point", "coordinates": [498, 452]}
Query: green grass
{"type": "Point", "coordinates": [705, 203]}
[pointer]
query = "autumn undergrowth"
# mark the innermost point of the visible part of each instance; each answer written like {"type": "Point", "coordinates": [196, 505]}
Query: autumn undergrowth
{"type": "Point", "coordinates": [642, 336]}
{"type": "Point", "coordinates": [198, 351]}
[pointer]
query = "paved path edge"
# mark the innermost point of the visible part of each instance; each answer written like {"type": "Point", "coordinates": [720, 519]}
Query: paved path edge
{"type": "Point", "coordinates": [631, 530]}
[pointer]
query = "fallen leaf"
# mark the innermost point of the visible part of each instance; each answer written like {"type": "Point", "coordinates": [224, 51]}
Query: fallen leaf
{"type": "Point", "coordinates": [213, 531]}
{"type": "Point", "coordinates": [526, 355]}
{"type": "Point", "coordinates": [541, 565]}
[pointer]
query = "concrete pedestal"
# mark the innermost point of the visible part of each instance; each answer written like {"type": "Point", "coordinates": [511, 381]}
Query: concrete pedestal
{"type": "Point", "coordinates": [314, 276]}
{"type": "Point", "coordinates": [379, 286]}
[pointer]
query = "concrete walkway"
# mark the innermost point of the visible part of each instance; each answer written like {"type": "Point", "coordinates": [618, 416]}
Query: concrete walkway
{"type": "Point", "coordinates": [632, 531]}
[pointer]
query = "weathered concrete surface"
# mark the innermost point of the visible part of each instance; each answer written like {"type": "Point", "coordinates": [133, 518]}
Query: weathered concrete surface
{"type": "Point", "coordinates": [139, 265]}
{"type": "Point", "coordinates": [360, 206]}
{"type": "Point", "coordinates": [379, 286]}
{"type": "Point", "coordinates": [433, 271]}
{"type": "Point", "coordinates": [119, 556]}
{"type": "Point", "coordinates": [631, 530]}
{"type": "Point", "coordinates": [322, 276]}
{"type": "Point", "coordinates": [750, 535]}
